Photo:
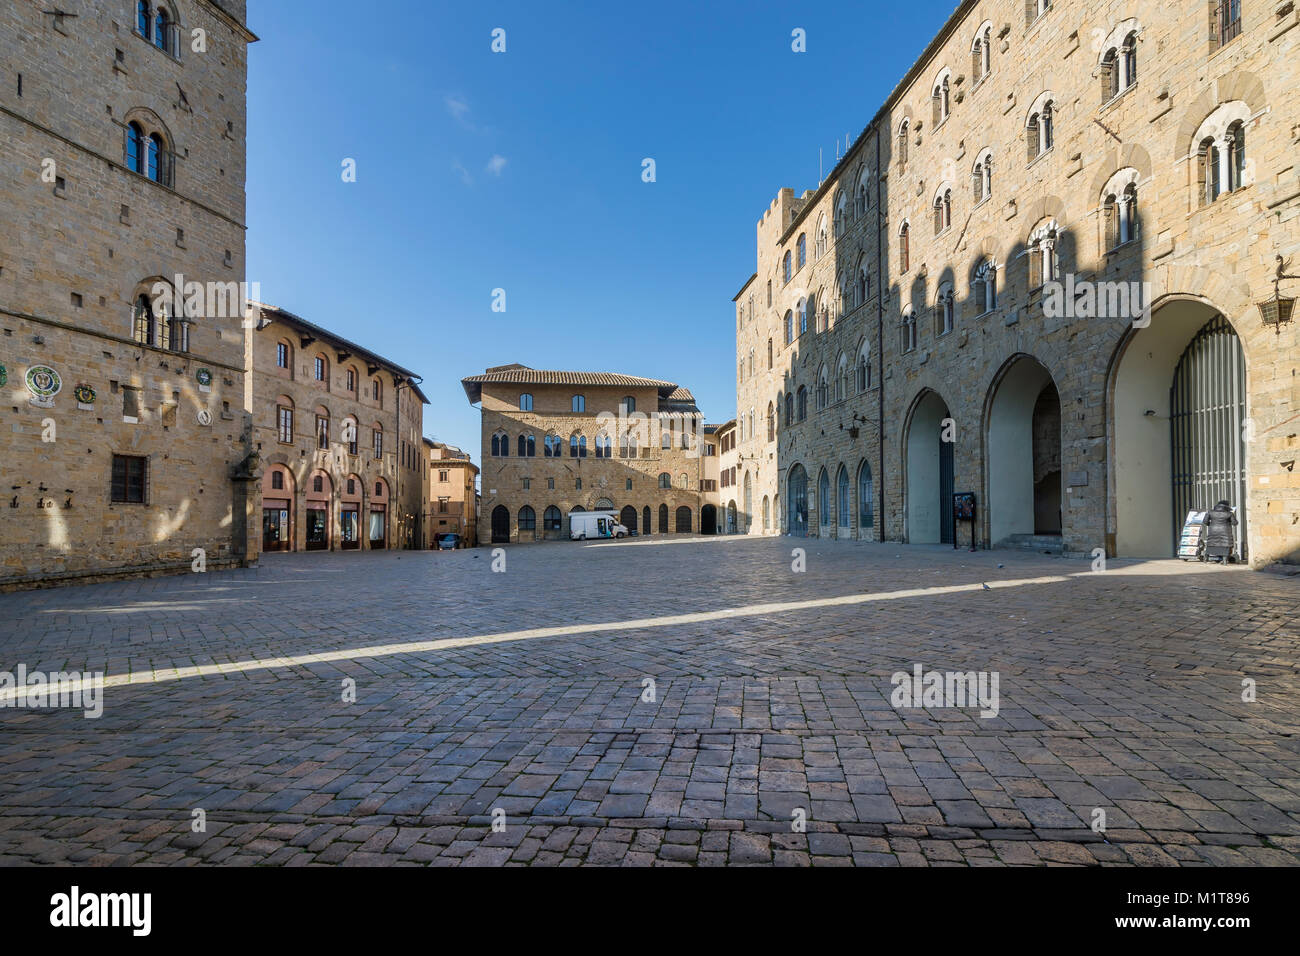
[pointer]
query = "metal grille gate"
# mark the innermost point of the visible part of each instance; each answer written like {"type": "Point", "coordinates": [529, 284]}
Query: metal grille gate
{"type": "Point", "coordinates": [1207, 422]}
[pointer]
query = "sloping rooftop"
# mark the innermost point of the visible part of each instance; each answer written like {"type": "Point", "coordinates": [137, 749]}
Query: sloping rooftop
{"type": "Point", "coordinates": [316, 332]}
{"type": "Point", "coordinates": [523, 375]}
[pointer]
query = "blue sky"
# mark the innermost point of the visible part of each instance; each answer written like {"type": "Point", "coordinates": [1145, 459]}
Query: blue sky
{"type": "Point", "coordinates": [522, 171]}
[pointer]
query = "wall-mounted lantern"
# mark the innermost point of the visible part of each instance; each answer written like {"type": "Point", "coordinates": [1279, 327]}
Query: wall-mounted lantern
{"type": "Point", "coordinates": [1278, 310]}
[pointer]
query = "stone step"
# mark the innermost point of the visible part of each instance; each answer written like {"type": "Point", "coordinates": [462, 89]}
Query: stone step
{"type": "Point", "coordinates": [1034, 542]}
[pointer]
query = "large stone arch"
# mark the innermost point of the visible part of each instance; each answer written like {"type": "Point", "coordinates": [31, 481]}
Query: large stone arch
{"type": "Point", "coordinates": [1139, 376]}
{"type": "Point", "coordinates": [921, 455]}
{"type": "Point", "coordinates": [1023, 464]}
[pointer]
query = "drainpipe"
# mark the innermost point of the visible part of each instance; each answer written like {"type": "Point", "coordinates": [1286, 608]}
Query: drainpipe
{"type": "Point", "coordinates": [880, 332]}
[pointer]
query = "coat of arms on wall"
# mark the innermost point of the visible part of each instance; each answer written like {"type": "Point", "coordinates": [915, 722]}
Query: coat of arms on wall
{"type": "Point", "coordinates": [204, 377]}
{"type": "Point", "coordinates": [85, 396]}
{"type": "Point", "coordinates": [4, 376]}
{"type": "Point", "coordinates": [44, 383]}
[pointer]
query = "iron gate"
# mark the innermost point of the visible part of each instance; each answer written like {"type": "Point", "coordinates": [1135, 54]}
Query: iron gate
{"type": "Point", "coordinates": [1207, 423]}
{"type": "Point", "coordinates": [946, 527]}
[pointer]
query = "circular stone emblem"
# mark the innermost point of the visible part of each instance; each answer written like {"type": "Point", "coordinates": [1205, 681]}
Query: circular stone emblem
{"type": "Point", "coordinates": [205, 417]}
{"type": "Point", "coordinates": [85, 394]}
{"type": "Point", "coordinates": [44, 383]}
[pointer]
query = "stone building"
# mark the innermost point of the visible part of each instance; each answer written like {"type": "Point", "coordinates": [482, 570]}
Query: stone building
{"type": "Point", "coordinates": [339, 431]}
{"type": "Point", "coordinates": [1036, 276]}
{"type": "Point", "coordinates": [121, 301]}
{"type": "Point", "coordinates": [559, 442]}
{"type": "Point", "coordinates": [451, 493]}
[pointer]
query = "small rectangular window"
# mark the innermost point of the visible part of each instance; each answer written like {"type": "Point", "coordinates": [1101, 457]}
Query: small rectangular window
{"type": "Point", "coordinates": [284, 423]}
{"type": "Point", "coordinates": [130, 477]}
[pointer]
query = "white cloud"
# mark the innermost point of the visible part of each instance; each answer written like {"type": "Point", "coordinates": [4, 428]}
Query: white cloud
{"type": "Point", "coordinates": [465, 177]}
{"type": "Point", "coordinates": [457, 106]}
{"type": "Point", "coordinates": [496, 164]}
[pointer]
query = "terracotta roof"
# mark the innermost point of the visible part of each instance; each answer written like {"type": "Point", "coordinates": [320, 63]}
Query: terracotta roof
{"type": "Point", "coordinates": [523, 375]}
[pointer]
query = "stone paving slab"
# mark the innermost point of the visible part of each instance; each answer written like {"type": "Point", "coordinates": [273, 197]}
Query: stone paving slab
{"type": "Point", "coordinates": [770, 738]}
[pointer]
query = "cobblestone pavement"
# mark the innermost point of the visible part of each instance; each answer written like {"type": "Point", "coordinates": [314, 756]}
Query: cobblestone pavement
{"type": "Point", "coordinates": [523, 692]}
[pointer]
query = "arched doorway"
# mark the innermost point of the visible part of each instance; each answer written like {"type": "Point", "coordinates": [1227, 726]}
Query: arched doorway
{"type": "Point", "coordinates": [645, 519]}
{"type": "Point", "coordinates": [320, 490]}
{"type": "Point", "coordinates": [797, 494]}
{"type": "Point", "coordinates": [500, 525]}
{"type": "Point", "coordinates": [683, 520]}
{"type": "Point", "coordinates": [843, 507]}
{"type": "Point", "coordinates": [708, 520]}
{"type": "Point", "coordinates": [277, 508]}
{"type": "Point", "coordinates": [1023, 433]}
{"type": "Point", "coordinates": [663, 519]}
{"type": "Point", "coordinates": [1178, 413]}
{"type": "Point", "coordinates": [747, 517]}
{"type": "Point", "coordinates": [929, 483]}
{"type": "Point", "coordinates": [627, 517]}
{"type": "Point", "coordinates": [731, 517]}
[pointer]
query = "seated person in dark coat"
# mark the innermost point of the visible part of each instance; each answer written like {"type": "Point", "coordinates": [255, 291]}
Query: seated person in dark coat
{"type": "Point", "coordinates": [1220, 533]}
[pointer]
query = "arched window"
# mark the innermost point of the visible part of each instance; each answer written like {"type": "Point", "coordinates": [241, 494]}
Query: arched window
{"type": "Point", "coordinates": [864, 284]}
{"type": "Point", "coordinates": [162, 29]}
{"type": "Point", "coordinates": [803, 316]}
{"type": "Point", "coordinates": [578, 403]}
{"type": "Point", "coordinates": [551, 446]}
{"type": "Point", "coordinates": [909, 330]}
{"type": "Point", "coordinates": [940, 99]}
{"type": "Point", "coordinates": [155, 151]}
{"type": "Point", "coordinates": [789, 327]}
{"type": "Point", "coordinates": [771, 422]}
{"type": "Point", "coordinates": [824, 499]}
{"type": "Point", "coordinates": [864, 193]}
{"type": "Point", "coordinates": [500, 445]}
{"type": "Point", "coordinates": [942, 210]}
{"type": "Point", "coordinates": [984, 287]}
{"type": "Point", "coordinates": [802, 246]}
{"type": "Point", "coordinates": [1044, 263]}
{"type": "Point", "coordinates": [982, 177]}
{"type": "Point", "coordinates": [982, 53]}
{"type": "Point", "coordinates": [1040, 130]}
{"type": "Point", "coordinates": [866, 497]}
{"type": "Point", "coordinates": [577, 446]}
{"type": "Point", "coordinates": [1236, 166]}
{"type": "Point", "coordinates": [1119, 209]}
{"type": "Point", "coordinates": [904, 247]}
{"type": "Point", "coordinates": [666, 439]}
{"type": "Point", "coordinates": [525, 402]}
{"type": "Point", "coordinates": [944, 310]}
{"type": "Point", "coordinates": [821, 246]}
{"type": "Point", "coordinates": [527, 519]}
{"type": "Point", "coordinates": [840, 222]}
{"type": "Point", "coordinates": [802, 402]}
{"type": "Point", "coordinates": [604, 446]}
{"type": "Point", "coordinates": [789, 409]}
{"type": "Point", "coordinates": [349, 435]}
{"type": "Point", "coordinates": [665, 480]}
{"type": "Point", "coordinates": [377, 434]}
{"type": "Point", "coordinates": [823, 390]}
{"type": "Point", "coordinates": [904, 130]}
{"type": "Point", "coordinates": [135, 148]}
{"type": "Point", "coordinates": [527, 446]}
{"type": "Point", "coordinates": [786, 268]}
{"type": "Point", "coordinates": [864, 368]}
{"type": "Point", "coordinates": [769, 353]}
{"type": "Point", "coordinates": [552, 519]}
{"type": "Point", "coordinates": [629, 404]}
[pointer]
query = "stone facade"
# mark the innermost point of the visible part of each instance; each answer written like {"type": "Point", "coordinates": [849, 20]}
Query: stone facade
{"type": "Point", "coordinates": [1149, 109]}
{"type": "Point", "coordinates": [338, 430]}
{"type": "Point", "coordinates": [160, 408]}
{"type": "Point", "coordinates": [630, 478]}
{"type": "Point", "coordinates": [451, 503]}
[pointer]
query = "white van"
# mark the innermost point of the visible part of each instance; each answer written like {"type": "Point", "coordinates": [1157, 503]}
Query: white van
{"type": "Point", "coordinates": [595, 524]}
